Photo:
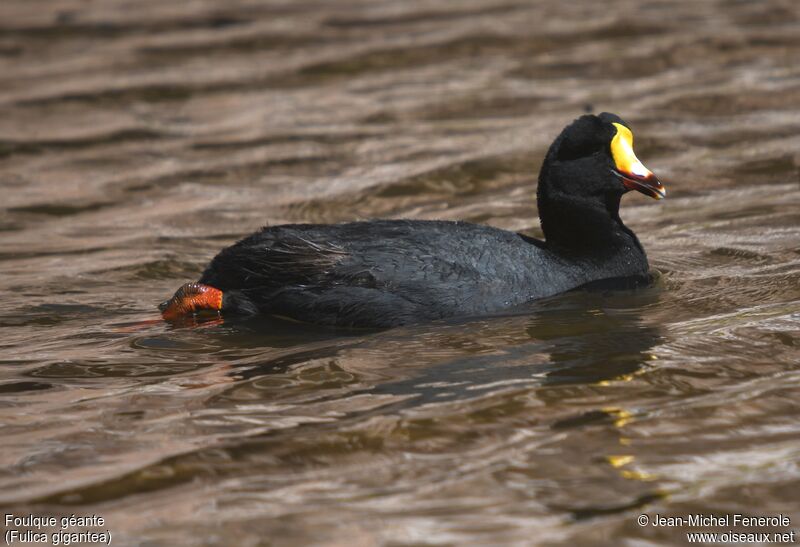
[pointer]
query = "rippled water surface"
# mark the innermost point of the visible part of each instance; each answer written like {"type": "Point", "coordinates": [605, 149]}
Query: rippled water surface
{"type": "Point", "coordinates": [137, 138]}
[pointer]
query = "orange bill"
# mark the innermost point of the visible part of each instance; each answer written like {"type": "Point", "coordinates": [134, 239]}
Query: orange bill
{"type": "Point", "coordinates": [634, 175]}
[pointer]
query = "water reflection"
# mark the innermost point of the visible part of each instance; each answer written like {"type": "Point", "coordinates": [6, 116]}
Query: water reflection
{"type": "Point", "coordinates": [578, 338]}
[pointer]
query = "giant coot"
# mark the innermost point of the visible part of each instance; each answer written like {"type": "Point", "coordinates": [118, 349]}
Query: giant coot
{"type": "Point", "coordinates": [384, 273]}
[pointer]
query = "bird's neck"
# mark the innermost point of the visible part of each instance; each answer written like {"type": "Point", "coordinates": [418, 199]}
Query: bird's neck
{"type": "Point", "coordinates": [588, 227]}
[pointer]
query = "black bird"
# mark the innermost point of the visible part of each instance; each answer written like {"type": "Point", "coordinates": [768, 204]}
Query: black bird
{"type": "Point", "coordinates": [384, 273]}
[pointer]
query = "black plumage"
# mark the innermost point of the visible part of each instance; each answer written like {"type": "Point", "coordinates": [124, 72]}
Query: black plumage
{"type": "Point", "coordinates": [383, 273]}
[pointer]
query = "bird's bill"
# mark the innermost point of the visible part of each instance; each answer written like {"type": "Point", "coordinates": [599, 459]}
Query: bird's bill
{"type": "Point", "coordinates": [633, 174]}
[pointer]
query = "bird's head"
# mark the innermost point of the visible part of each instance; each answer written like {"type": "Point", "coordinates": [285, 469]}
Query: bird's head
{"type": "Point", "coordinates": [593, 157]}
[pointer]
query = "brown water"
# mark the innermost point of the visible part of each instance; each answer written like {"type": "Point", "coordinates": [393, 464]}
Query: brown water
{"type": "Point", "coordinates": [137, 138]}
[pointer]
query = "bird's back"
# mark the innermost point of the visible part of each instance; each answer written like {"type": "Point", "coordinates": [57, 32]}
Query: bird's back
{"type": "Point", "coordinates": [387, 272]}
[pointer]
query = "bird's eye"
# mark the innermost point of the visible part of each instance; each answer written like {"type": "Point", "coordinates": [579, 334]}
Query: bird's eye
{"type": "Point", "coordinates": [572, 150]}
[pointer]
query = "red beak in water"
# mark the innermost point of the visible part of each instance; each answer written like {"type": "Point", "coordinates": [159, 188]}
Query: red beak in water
{"type": "Point", "coordinates": [629, 169]}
